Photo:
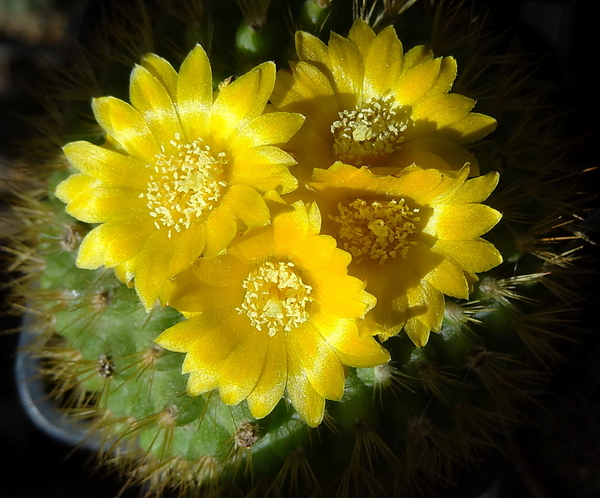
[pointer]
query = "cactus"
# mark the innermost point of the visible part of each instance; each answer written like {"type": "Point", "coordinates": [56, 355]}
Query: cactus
{"type": "Point", "coordinates": [322, 315]}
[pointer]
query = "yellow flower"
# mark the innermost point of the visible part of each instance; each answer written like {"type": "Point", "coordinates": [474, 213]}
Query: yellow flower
{"type": "Point", "coordinates": [182, 169]}
{"type": "Point", "coordinates": [367, 103]}
{"type": "Point", "coordinates": [277, 313]}
{"type": "Point", "coordinates": [413, 238]}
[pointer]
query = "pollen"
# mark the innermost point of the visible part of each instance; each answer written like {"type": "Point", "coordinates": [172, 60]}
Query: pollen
{"type": "Point", "coordinates": [184, 185]}
{"type": "Point", "coordinates": [276, 298]}
{"type": "Point", "coordinates": [371, 131]}
{"type": "Point", "coordinates": [376, 230]}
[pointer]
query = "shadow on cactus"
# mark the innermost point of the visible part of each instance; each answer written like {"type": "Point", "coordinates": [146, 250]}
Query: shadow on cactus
{"type": "Point", "coordinates": [334, 273]}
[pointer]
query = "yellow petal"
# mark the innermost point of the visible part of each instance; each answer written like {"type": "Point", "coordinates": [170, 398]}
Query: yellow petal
{"type": "Point", "coordinates": [321, 147]}
{"type": "Point", "coordinates": [318, 361]}
{"type": "Point", "coordinates": [469, 129]}
{"type": "Point", "coordinates": [284, 91]}
{"type": "Point", "coordinates": [150, 98]}
{"type": "Point", "coordinates": [351, 349]}
{"type": "Point", "coordinates": [107, 165]}
{"type": "Point", "coordinates": [248, 205]}
{"type": "Point", "coordinates": [433, 152]}
{"type": "Point", "coordinates": [383, 63]}
{"type": "Point", "coordinates": [426, 306]}
{"type": "Point", "coordinates": [162, 70]}
{"type": "Point", "coordinates": [310, 82]}
{"type": "Point", "coordinates": [274, 128]}
{"type": "Point", "coordinates": [417, 184]}
{"type": "Point", "coordinates": [417, 331]}
{"type": "Point", "coordinates": [314, 219]}
{"type": "Point", "coordinates": [97, 205]}
{"type": "Point", "coordinates": [461, 222]}
{"type": "Point", "coordinates": [111, 244]}
{"type": "Point", "coordinates": [446, 77]}
{"type": "Point", "coordinates": [310, 48]}
{"type": "Point", "coordinates": [189, 244]}
{"type": "Point", "coordinates": [183, 335]}
{"type": "Point", "coordinates": [74, 185]}
{"type": "Point", "coordinates": [264, 168]}
{"type": "Point", "coordinates": [241, 101]}
{"type": "Point", "coordinates": [362, 36]}
{"type": "Point", "coordinates": [448, 278]}
{"type": "Point", "coordinates": [241, 370]}
{"type": "Point", "coordinates": [415, 56]}
{"type": "Point", "coordinates": [271, 384]}
{"type": "Point", "coordinates": [215, 345]}
{"type": "Point", "coordinates": [341, 175]}
{"type": "Point", "coordinates": [415, 83]}
{"type": "Point", "coordinates": [290, 228]}
{"type": "Point", "coordinates": [306, 400]}
{"type": "Point", "coordinates": [221, 227]}
{"type": "Point", "coordinates": [195, 95]}
{"type": "Point", "coordinates": [440, 111]}
{"type": "Point", "coordinates": [316, 253]}
{"type": "Point", "coordinates": [476, 190]}
{"type": "Point", "coordinates": [162, 258]}
{"type": "Point", "coordinates": [125, 125]}
{"type": "Point", "coordinates": [404, 159]}
{"type": "Point", "coordinates": [308, 92]}
{"type": "Point", "coordinates": [123, 273]}
{"type": "Point", "coordinates": [329, 283]}
{"type": "Point", "coordinates": [341, 305]}
{"type": "Point", "coordinates": [201, 381]}
{"type": "Point", "coordinates": [343, 182]}
{"type": "Point", "coordinates": [253, 246]}
{"type": "Point", "coordinates": [151, 272]}
{"type": "Point", "coordinates": [421, 262]}
{"type": "Point", "coordinates": [346, 67]}
{"type": "Point", "coordinates": [472, 255]}
{"type": "Point", "coordinates": [221, 271]}
{"type": "Point", "coordinates": [450, 184]}
{"type": "Point", "coordinates": [190, 297]}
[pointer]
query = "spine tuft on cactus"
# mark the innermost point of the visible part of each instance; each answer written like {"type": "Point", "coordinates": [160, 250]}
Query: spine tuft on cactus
{"type": "Point", "coordinates": [287, 253]}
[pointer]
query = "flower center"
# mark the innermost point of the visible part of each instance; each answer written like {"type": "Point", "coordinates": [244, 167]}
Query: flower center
{"type": "Point", "coordinates": [376, 230]}
{"type": "Point", "coordinates": [276, 297]}
{"type": "Point", "coordinates": [370, 131]}
{"type": "Point", "coordinates": [184, 185]}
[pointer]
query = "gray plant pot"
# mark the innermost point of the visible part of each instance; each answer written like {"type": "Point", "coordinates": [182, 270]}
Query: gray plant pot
{"type": "Point", "coordinates": [40, 408]}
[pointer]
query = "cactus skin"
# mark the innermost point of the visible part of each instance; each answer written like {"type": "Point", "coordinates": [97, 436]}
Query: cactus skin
{"type": "Point", "coordinates": [398, 427]}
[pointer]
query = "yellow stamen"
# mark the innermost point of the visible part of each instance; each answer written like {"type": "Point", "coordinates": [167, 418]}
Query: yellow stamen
{"type": "Point", "coordinates": [276, 298]}
{"type": "Point", "coordinates": [377, 230]}
{"type": "Point", "coordinates": [185, 185]}
{"type": "Point", "coordinates": [372, 130]}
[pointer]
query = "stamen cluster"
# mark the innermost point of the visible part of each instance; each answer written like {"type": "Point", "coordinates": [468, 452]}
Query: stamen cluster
{"type": "Point", "coordinates": [371, 130]}
{"type": "Point", "coordinates": [184, 185]}
{"type": "Point", "coordinates": [377, 229]}
{"type": "Point", "coordinates": [276, 298]}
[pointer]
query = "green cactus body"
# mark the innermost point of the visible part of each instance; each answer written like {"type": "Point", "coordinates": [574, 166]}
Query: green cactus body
{"type": "Point", "coordinates": [399, 426]}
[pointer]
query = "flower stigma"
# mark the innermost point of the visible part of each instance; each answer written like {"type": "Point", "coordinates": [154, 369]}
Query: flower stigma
{"type": "Point", "coordinates": [372, 130]}
{"type": "Point", "coordinates": [376, 230]}
{"type": "Point", "coordinates": [276, 298]}
{"type": "Point", "coordinates": [184, 185]}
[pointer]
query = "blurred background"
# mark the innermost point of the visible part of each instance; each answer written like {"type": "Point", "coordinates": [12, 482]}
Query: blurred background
{"type": "Point", "coordinates": [556, 454]}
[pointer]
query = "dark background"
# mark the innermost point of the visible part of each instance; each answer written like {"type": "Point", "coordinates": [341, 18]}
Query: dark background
{"type": "Point", "coordinates": [556, 455]}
